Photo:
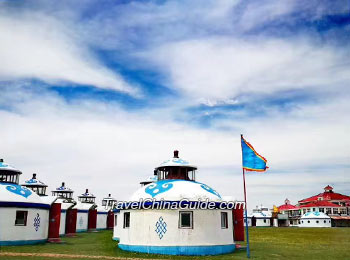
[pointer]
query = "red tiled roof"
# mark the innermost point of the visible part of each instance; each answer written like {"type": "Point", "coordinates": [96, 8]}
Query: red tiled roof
{"type": "Point", "coordinates": [326, 196]}
{"type": "Point", "coordinates": [287, 207]}
{"type": "Point", "coordinates": [320, 203]}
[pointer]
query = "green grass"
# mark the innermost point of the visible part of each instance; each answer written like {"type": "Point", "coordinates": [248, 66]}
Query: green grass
{"type": "Point", "coordinates": [266, 243]}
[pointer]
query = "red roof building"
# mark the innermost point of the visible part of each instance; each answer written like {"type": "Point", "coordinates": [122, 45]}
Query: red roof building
{"type": "Point", "coordinates": [329, 202]}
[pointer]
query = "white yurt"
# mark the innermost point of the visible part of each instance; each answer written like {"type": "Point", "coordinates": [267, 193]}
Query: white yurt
{"type": "Point", "coordinates": [315, 219]}
{"type": "Point", "coordinates": [86, 212]}
{"type": "Point", "coordinates": [185, 231]}
{"type": "Point", "coordinates": [105, 212]}
{"type": "Point", "coordinates": [24, 215]}
{"type": "Point", "coordinates": [261, 217]}
{"type": "Point", "coordinates": [65, 198]}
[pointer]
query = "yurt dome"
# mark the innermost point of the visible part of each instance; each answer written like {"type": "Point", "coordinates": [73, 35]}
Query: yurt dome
{"type": "Point", "coordinates": [315, 215]}
{"type": "Point", "coordinates": [8, 173]}
{"type": "Point", "coordinates": [87, 197]}
{"type": "Point", "coordinates": [63, 192]}
{"type": "Point", "coordinates": [36, 185]}
{"type": "Point", "coordinates": [176, 190]}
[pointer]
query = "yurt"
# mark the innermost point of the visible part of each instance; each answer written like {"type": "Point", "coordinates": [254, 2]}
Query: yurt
{"type": "Point", "coordinates": [39, 188]}
{"type": "Point", "coordinates": [261, 217]}
{"type": "Point", "coordinates": [175, 230]}
{"type": "Point", "coordinates": [105, 215]}
{"type": "Point", "coordinates": [315, 219]}
{"type": "Point", "coordinates": [68, 214]}
{"type": "Point", "coordinates": [24, 216]}
{"type": "Point", "coordinates": [86, 212]}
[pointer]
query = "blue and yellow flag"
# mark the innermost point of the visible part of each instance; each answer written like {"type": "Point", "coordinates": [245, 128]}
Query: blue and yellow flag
{"type": "Point", "coordinates": [252, 161]}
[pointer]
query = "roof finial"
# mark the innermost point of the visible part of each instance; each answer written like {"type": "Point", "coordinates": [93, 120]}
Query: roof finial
{"type": "Point", "coordinates": [34, 176]}
{"type": "Point", "coordinates": [62, 184]}
{"type": "Point", "coordinates": [176, 154]}
{"type": "Point", "coordinates": [109, 195]}
{"type": "Point", "coordinates": [87, 191]}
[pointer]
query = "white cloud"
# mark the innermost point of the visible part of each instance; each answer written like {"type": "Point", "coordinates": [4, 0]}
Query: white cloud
{"type": "Point", "coordinates": [108, 150]}
{"type": "Point", "coordinates": [222, 68]}
{"type": "Point", "coordinates": [40, 47]}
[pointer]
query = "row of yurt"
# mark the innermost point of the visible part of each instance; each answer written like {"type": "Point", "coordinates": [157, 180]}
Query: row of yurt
{"type": "Point", "coordinates": [33, 217]}
{"type": "Point", "coordinates": [176, 231]}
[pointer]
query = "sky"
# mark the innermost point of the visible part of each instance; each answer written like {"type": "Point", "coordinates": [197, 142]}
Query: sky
{"type": "Point", "coordinates": [99, 93]}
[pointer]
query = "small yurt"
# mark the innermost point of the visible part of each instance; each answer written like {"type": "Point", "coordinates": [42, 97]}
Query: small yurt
{"type": "Point", "coordinates": [68, 214]}
{"type": "Point", "coordinates": [261, 217]}
{"type": "Point", "coordinates": [315, 219]}
{"type": "Point", "coordinates": [39, 188]}
{"type": "Point", "coordinates": [105, 215]}
{"type": "Point", "coordinates": [86, 212]}
{"type": "Point", "coordinates": [24, 216]}
{"type": "Point", "coordinates": [176, 230]}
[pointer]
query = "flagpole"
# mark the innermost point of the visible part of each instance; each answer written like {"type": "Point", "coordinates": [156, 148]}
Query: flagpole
{"type": "Point", "coordinates": [246, 215]}
{"type": "Point", "coordinates": [245, 208]}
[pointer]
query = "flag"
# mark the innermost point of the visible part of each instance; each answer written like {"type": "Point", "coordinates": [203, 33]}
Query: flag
{"type": "Point", "coordinates": [252, 161]}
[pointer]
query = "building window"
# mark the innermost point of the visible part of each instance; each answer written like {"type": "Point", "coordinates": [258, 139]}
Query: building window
{"type": "Point", "coordinates": [314, 209]}
{"type": "Point", "coordinates": [302, 221]}
{"type": "Point", "coordinates": [126, 220]}
{"type": "Point", "coordinates": [308, 210]}
{"type": "Point", "coordinates": [186, 219]}
{"type": "Point", "coordinates": [335, 211]}
{"type": "Point", "coordinates": [328, 210]}
{"type": "Point", "coordinates": [321, 210]}
{"type": "Point", "coordinates": [342, 211]}
{"type": "Point", "coordinates": [317, 221]}
{"type": "Point", "coordinates": [308, 221]}
{"type": "Point", "coordinates": [264, 220]}
{"type": "Point", "coordinates": [304, 211]}
{"type": "Point", "coordinates": [21, 218]}
{"type": "Point", "coordinates": [290, 222]}
{"type": "Point", "coordinates": [324, 221]}
{"type": "Point", "coordinates": [224, 220]}
{"type": "Point", "coordinates": [115, 220]}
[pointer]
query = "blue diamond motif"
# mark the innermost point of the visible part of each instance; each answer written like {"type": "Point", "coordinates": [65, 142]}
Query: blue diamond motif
{"type": "Point", "coordinates": [36, 222]}
{"type": "Point", "coordinates": [161, 227]}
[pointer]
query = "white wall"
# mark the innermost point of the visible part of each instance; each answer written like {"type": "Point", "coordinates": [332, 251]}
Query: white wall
{"type": "Point", "coordinates": [101, 221]}
{"type": "Point", "coordinates": [63, 223]}
{"type": "Point", "coordinates": [10, 232]}
{"type": "Point", "coordinates": [313, 223]}
{"type": "Point", "coordinates": [82, 221]}
{"type": "Point", "coordinates": [262, 222]}
{"type": "Point", "coordinates": [206, 228]}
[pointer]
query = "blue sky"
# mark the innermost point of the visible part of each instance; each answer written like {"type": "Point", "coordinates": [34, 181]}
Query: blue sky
{"type": "Point", "coordinates": [120, 84]}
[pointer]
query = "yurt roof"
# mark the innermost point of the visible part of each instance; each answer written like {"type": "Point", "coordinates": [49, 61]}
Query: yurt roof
{"type": "Point", "coordinates": [14, 193]}
{"type": "Point", "coordinates": [34, 182]}
{"type": "Point", "coordinates": [6, 167]}
{"type": "Point", "coordinates": [176, 190]}
{"type": "Point", "coordinates": [176, 161]}
{"type": "Point", "coordinates": [314, 215]}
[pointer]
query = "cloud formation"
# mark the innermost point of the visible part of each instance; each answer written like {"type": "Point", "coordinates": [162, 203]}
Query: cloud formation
{"type": "Point", "coordinates": [34, 46]}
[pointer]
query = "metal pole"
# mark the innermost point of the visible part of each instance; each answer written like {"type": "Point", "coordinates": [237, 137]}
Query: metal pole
{"type": "Point", "coordinates": [245, 208]}
{"type": "Point", "coordinates": [246, 216]}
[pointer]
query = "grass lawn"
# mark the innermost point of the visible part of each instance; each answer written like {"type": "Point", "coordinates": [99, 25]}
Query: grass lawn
{"type": "Point", "coordinates": [266, 243]}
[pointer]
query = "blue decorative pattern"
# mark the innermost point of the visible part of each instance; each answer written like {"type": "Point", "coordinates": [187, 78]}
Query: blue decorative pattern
{"type": "Point", "coordinates": [17, 189]}
{"type": "Point", "coordinates": [162, 186]}
{"type": "Point", "coordinates": [158, 187]}
{"type": "Point", "coordinates": [37, 222]}
{"type": "Point", "coordinates": [208, 189]}
{"type": "Point", "coordinates": [316, 213]}
{"type": "Point", "coordinates": [161, 227]}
